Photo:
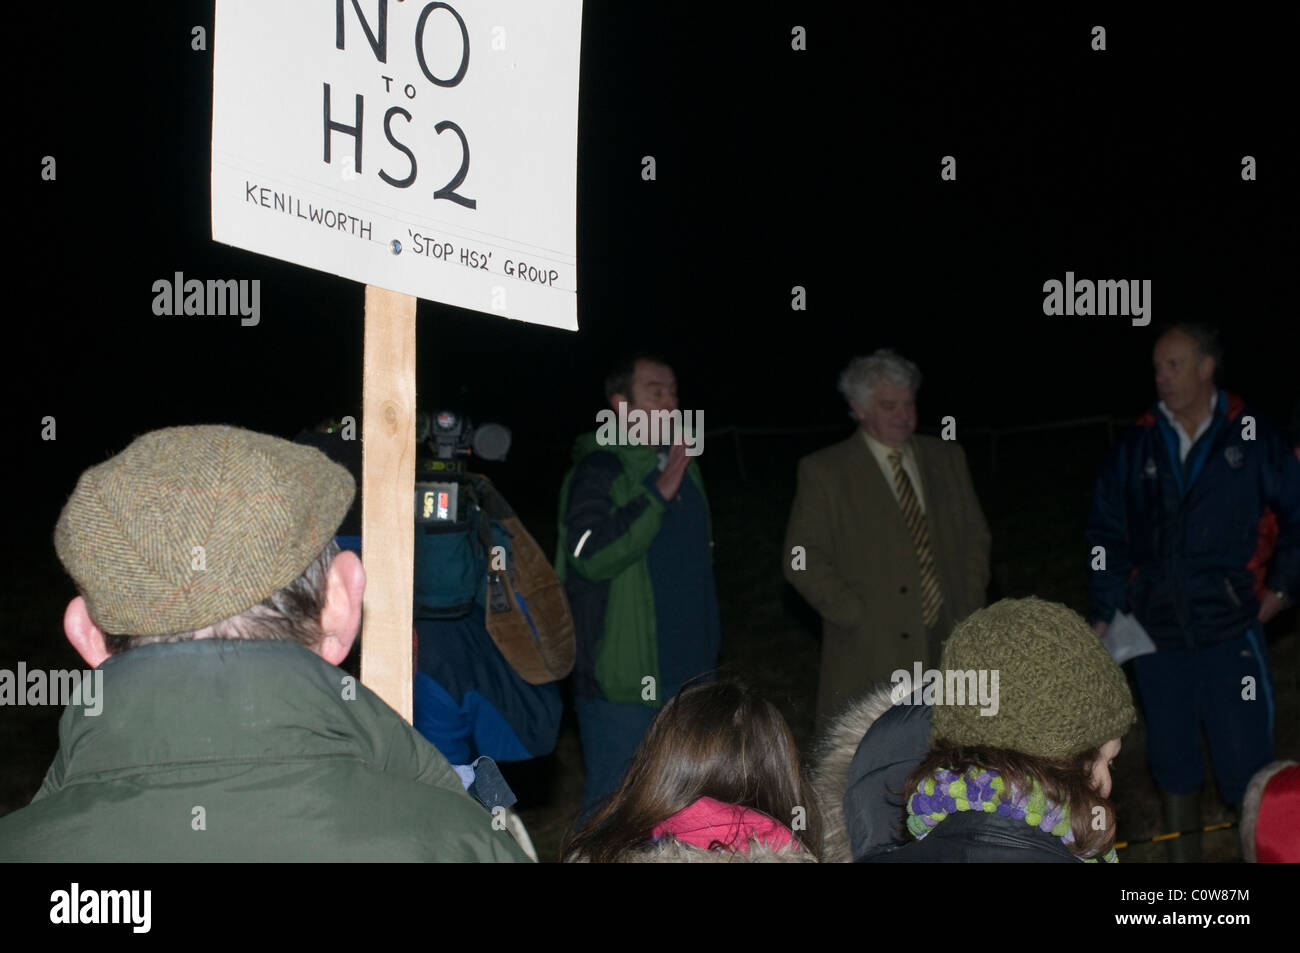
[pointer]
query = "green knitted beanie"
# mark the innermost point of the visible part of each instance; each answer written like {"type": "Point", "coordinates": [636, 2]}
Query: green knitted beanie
{"type": "Point", "coordinates": [1059, 691]}
{"type": "Point", "coordinates": [191, 525]}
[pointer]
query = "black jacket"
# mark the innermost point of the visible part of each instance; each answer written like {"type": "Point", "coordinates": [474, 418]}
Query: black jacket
{"type": "Point", "coordinates": [874, 797]}
{"type": "Point", "coordinates": [971, 838]}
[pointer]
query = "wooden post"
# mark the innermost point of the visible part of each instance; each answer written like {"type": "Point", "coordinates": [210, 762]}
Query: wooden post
{"type": "Point", "coordinates": [387, 496]}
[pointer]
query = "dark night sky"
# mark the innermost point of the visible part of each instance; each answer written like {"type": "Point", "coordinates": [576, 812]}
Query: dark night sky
{"type": "Point", "coordinates": [775, 168]}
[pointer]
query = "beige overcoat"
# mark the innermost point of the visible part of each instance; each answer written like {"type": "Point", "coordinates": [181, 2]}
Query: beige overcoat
{"type": "Point", "coordinates": [860, 570]}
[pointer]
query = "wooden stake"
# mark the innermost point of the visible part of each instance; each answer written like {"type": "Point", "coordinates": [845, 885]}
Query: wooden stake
{"type": "Point", "coordinates": [388, 495]}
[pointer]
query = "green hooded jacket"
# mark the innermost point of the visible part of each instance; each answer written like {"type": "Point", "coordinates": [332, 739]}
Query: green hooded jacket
{"type": "Point", "coordinates": [217, 750]}
{"type": "Point", "coordinates": [628, 650]}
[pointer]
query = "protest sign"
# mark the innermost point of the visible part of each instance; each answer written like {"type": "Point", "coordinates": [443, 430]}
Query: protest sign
{"type": "Point", "coordinates": [426, 148]}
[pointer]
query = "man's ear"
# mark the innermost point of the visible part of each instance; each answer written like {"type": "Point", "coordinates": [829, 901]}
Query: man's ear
{"type": "Point", "coordinates": [341, 618]}
{"type": "Point", "coordinates": [858, 413]}
{"type": "Point", "coordinates": [1205, 368]}
{"type": "Point", "coordinates": [84, 636]}
{"type": "Point", "coordinates": [616, 399]}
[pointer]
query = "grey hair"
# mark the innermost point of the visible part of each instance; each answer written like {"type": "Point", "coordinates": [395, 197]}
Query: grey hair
{"type": "Point", "coordinates": [859, 379]}
{"type": "Point", "coordinates": [291, 614]}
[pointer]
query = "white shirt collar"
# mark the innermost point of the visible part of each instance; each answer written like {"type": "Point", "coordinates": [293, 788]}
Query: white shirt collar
{"type": "Point", "coordinates": [909, 464]}
{"type": "Point", "coordinates": [881, 451]}
{"type": "Point", "coordinates": [1186, 440]}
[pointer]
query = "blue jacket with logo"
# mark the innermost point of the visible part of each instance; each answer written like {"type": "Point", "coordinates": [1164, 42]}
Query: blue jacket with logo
{"type": "Point", "coordinates": [1180, 538]}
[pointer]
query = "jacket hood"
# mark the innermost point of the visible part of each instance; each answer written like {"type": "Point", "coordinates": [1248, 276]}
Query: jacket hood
{"type": "Point", "coordinates": [830, 773]}
{"type": "Point", "coordinates": [861, 765]}
{"type": "Point", "coordinates": [750, 836]}
{"type": "Point", "coordinates": [708, 820]}
{"type": "Point", "coordinates": [671, 851]}
{"type": "Point", "coordinates": [1272, 795]}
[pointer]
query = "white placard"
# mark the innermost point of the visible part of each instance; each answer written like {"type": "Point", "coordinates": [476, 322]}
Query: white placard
{"type": "Point", "coordinates": [465, 152]}
{"type": "Point", "coordinates": [1126, 639]}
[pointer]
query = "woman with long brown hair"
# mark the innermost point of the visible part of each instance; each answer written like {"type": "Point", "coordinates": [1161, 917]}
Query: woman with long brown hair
{"type": "Point", "coordinates": [716, 778]}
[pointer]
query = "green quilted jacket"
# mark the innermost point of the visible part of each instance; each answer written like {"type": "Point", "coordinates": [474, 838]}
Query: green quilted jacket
{"type": "Point", "coordinates": [628, 648]}
{"type": "Point", "coordinates": [245, 751]}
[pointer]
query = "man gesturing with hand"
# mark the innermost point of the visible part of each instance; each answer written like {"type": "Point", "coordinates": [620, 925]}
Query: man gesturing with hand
{"type": "Point", "coordinates": [635, 552]}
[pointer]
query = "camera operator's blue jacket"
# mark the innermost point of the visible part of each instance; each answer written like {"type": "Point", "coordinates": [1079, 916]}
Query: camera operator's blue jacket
{"type": "Point", "coordinates": [1181, 539]}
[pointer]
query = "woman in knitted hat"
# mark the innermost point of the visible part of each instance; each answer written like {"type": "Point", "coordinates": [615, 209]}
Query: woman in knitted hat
{"type": "Point", "coordinates": [716, 778]}
{"type": "Point", "coordinates": [1026, 778]}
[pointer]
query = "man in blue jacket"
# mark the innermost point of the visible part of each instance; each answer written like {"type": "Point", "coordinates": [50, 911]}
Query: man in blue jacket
{"type": "Point", "coordinates": [1175, 533]}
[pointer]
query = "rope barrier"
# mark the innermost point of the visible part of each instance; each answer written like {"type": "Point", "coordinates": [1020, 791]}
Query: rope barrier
{"type": "Point", "coordinates": [1226, 825]}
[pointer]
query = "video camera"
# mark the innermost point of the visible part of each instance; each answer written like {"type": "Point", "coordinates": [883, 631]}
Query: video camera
{"type": "Point", "coordinates": [449, 438]}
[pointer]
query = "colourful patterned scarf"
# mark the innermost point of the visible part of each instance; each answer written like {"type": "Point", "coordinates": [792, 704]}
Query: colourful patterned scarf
{"type": "Point", "coordinates": [982, 789]}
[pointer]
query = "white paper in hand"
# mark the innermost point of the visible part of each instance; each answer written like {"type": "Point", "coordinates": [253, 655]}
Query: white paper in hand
{"type": "Point", "coordinates": [1126, 639]}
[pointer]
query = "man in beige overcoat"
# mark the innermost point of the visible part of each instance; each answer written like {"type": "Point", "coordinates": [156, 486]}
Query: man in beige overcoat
{"type": "Point", "coordinates": [886, 537]}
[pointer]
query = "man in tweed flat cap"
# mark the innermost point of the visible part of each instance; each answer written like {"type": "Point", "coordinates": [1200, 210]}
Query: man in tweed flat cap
{"type": "Point", "coordinates": [217, 607]}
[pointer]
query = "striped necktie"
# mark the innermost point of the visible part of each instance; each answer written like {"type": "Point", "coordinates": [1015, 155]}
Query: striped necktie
{"type": "Point", "coordinates": [931, 596]}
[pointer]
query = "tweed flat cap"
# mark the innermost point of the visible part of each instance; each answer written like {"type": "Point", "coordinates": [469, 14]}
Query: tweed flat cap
{"type": "Point", "coordinates": [1060, 693]}
{"type": "Point", "coordinates": [191, 525]}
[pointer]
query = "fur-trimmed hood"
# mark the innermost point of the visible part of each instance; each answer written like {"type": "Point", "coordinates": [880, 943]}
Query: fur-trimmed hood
{"type": "Point", "coordinates": [865, 777]}
{"type": "Point", "coordinates": [711, 831]}
{"type": "Point", "coordinates": [830, 772]}
{"type": "Point", "coordinates": [671, 851]}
